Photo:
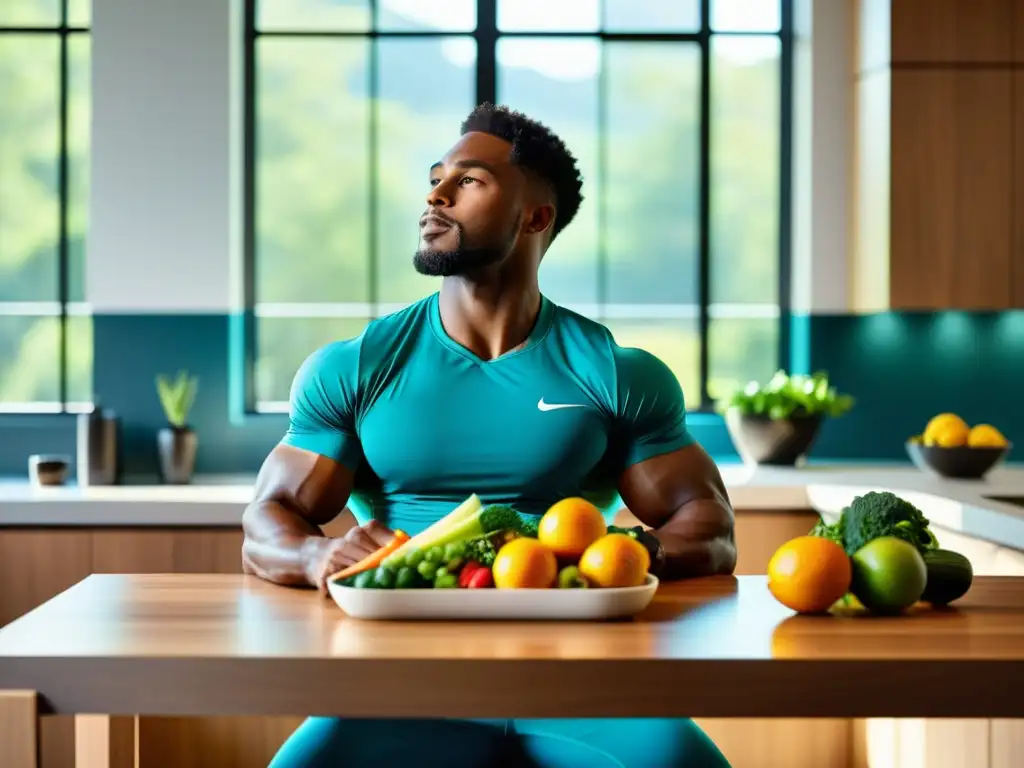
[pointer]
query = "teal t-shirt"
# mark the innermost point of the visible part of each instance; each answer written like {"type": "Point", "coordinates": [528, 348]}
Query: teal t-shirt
{"type": "Point", "coordinates": [424, 422]}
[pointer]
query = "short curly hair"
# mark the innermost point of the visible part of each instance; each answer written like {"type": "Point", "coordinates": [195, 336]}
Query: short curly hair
{"type": "Point", "coordinates": [536, 148]}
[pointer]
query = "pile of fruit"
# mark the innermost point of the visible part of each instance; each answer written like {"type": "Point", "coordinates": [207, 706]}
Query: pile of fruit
{"type": "Point", "coordinates": [880, 555]}
{"type": "Point", "coordinates": [948, 430]}
{"type": "Point", "coordinates": [479, 546]}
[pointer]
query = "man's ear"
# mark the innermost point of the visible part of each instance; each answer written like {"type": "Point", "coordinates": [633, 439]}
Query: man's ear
{"type": "Point", "coordinates": [540, 219]}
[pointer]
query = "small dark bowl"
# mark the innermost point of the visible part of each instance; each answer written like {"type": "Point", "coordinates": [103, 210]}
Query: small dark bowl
{"type": "Point", "coordinates": [773, 442]}
{"type": "Point", "coordinates": [48, 469]}
{"type": "Point", "coordinates": [962, 462]}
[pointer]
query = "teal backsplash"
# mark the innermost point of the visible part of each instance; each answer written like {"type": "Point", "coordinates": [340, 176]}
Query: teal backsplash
{"type": "Point", "coordinates": [901, 367]}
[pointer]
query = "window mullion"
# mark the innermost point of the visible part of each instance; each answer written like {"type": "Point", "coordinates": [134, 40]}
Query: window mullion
{"type": "Point", "coordinates": [486, 51]}
{"type": "Point", "coordinates": [704, 248]}
{"type": "Point", "coordinates": [62, 205]}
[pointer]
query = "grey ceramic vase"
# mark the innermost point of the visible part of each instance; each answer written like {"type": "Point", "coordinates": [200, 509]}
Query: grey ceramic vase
{"type": "Point", "coordinates": [177, 446]}
{"type": "Point", "coordinates": [774, 442]}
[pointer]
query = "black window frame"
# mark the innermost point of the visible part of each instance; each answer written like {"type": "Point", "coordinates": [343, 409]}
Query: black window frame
{"type": "Point", "coordinates": [486, 36]}
{"type": "Point", "coordinates": [64, 31]}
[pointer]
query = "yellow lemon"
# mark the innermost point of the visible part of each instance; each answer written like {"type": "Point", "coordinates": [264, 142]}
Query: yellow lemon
{"type": "Point", "coordinates": [947, 430]}
{"type": "Point", "coordinates": [953, 436]}
{"type": "Point", "coordinates": [985, 436]}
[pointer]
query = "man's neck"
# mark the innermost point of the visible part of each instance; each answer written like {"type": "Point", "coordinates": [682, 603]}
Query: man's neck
{"type": "Point", "coordinates": [490, 317]}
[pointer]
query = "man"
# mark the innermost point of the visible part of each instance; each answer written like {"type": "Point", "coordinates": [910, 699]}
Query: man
{"type": "Point", "coordinates": [486, 387]}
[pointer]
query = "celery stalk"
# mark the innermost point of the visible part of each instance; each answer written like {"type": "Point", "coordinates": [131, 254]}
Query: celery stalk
{"type": "Point", "coordinates": [466, 509]}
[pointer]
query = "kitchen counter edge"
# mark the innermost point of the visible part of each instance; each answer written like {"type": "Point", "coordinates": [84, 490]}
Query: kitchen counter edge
{"type": "Point", "coordinates": [979, 509]}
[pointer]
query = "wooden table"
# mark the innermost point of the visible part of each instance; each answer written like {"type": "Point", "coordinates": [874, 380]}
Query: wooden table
{"type": "Point", "coordinates": [721, 647]}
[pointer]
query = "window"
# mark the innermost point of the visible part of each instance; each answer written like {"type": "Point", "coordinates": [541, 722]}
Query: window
{"type": "Point", "coordinates": [675, 111]}
{"type": "Point", "coordinates": [45, 330]}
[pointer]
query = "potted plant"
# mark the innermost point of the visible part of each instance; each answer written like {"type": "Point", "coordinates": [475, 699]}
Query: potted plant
{"type": "Point", "coordinates": [177, 442]}
{"type": "Point", "coordinates": [776, 423]}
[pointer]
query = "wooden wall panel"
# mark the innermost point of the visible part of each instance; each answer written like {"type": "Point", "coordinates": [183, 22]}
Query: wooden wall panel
{"type": "Point", "coordinates": [19, 737]}
{"type": "Point", "coordinates": [34, 567]}
{"type": "Point", "coordinates": [772, 743]}
{"type": "Point", "coordinates": [1018, 32]}
{"type": "Point", "coordinates": [952, 189]}
{"type": "Point", "coordinates": [145, 550]}
{"type": "Point", "coordinates": [952, 31]}
{"type": "Point", "coordinates": [225, 742]}
{"type": "Point", "coordinates": [759, 534]}
{"type": "Point", "coordinates": [1017, 248]}
{"type": "Point", "coordinates": [56, 560]}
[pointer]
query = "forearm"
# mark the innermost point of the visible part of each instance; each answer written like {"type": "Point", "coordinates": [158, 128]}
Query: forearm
{"type": "Point", "coordinates": [280, 545]}
{"type": "Point", "coordinates": [698, 540]}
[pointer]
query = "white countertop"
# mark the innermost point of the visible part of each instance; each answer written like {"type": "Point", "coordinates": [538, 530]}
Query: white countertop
{"type": "Point", "coordinates": [958, 505]}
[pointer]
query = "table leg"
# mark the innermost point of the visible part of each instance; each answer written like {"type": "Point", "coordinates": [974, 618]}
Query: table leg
{"type": "Point", "coordinates": [104, 741]}
{"type": "Point", "coordinates": [19, 729]}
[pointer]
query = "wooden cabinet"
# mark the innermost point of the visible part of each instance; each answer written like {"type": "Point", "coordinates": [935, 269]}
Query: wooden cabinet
{"type": "Point", "coordinates": [952, 189]}
{"type": "Point", "coordinates": [938, 165]}
{"type": "Point", "coordinates": [1017, 252]}
{"type": "Point", "coordinates": [1018, 32]}
{"type": "Point", "coordinates": [952, 31]}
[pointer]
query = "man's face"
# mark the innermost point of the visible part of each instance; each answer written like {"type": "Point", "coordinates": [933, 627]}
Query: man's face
{"type": "Point", "coordinates": [474, 208]}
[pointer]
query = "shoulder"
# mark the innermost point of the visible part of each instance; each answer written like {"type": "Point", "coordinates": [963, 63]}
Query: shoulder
{"type": "Point", "coordinates": [348, 364]}
{"type": "Point", "coordinates": [584, 338]}
{"type": "Point", "coordinates": [637, 371]}
{"type": "Point", "coordinates": [627, 372]}
{"type": "Point", "coordinates": [358, 357]}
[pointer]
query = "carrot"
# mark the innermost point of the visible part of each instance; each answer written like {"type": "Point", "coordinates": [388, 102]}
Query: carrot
{"type": "Point", "coordinates": [375, 559]}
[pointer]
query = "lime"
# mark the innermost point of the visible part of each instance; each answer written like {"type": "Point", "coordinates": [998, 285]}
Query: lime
{"type": "Point", "coordinates": [889, 575]}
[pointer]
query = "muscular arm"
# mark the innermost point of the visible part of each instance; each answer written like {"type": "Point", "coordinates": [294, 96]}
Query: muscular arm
{"type": "Point", "coordinates": [296, 492]}
{"type": "Point", "coordinates": [681, 496]}
{"type": "Point", "coordinates": [307, 479]}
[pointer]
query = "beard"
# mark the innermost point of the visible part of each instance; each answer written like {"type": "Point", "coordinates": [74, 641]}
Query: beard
{"type": "Point", "coordinates": [462, 259]}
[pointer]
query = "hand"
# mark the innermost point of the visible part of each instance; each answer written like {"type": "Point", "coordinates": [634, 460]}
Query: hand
{"type": "Point", "coordinates": [333, 555]}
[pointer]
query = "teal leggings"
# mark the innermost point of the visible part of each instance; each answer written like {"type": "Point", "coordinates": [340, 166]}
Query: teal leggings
{"type": "Point", "coordinates": [324, 742]}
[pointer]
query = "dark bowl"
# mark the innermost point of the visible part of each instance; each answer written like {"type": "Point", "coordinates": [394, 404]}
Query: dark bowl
{"type": "Point", "coordinates": [773, 442]}
{"type": "Point", "coordinates": [961, 462]}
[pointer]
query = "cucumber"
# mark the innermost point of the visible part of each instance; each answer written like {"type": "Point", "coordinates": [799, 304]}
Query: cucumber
{"type": "Point", "coordinates": [949, 576]}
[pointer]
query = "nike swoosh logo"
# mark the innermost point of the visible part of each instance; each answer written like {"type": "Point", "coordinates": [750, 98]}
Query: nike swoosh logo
{"type": "Point", "coordinates": [542, 406]}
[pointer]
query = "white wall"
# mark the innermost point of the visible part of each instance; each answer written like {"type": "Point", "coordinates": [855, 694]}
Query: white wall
{"type": "Point", "coordinates": [822, 147]}
{"type": "Point", "coordinates": [161, 178]}
{"type": "Point", "coordinates": [166, 172]}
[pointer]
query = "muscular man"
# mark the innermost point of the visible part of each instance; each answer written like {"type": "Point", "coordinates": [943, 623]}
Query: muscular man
{"type": "Point", "coordinates": [454, 395]}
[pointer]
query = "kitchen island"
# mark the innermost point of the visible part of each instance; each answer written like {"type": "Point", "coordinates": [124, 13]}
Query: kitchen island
{"type": "Point", "coordinates": [52, 538]}
{"type": "Point", "coordinates": [718, 647]}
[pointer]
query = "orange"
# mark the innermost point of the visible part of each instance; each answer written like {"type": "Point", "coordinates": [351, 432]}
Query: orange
{"type": "Point", "coordinates": [615, 560]}
{"type": "Point", "coordinates": [985, 436]}
{"type": "Point", "coordinates": [524, 564]}
{"type": "Point", "coordinates": [809, 573]}
{"type": "Point", "coordinates": [570, 526]}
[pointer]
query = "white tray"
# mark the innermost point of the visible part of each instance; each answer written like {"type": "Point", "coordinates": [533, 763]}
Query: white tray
{"type": "Point", "coordinates": [488, 604]}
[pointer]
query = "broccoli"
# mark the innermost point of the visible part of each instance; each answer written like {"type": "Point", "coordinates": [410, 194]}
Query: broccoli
{"type": "Point", "coordinates": [883, 513]}
{"type": "Point", "coordinates": [833, 532]}
{"type": "Point", "coordinates": [528, 526]}
{"type": "Point", "coordinates": [481, 550]}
